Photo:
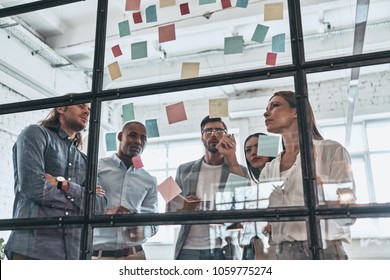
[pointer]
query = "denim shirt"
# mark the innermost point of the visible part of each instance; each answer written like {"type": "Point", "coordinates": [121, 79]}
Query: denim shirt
{"type": "Point", "coordinates": [39, 150]}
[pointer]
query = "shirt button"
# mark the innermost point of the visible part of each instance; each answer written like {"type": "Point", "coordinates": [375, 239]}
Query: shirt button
{"type": "Point", "coordinates": [72, 200]}
{"type": "Point", "coordinates": [66, 213]}
{"type": "Point", "coordinates": [68, 196]}
{"type": "Point", "coordinates": [69, 179]}
{"type": "Point", "coordinates": [70, 164]}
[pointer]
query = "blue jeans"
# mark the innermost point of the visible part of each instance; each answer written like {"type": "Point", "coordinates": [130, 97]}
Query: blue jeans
{"type": "Point", "coordinates": [186, 254]}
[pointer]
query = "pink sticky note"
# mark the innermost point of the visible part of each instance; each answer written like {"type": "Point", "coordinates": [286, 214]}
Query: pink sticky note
{"type": "Point", "coordinates": [137, 162]}
{"type": "Point", "coordinates": [132, 5]}
{"type": "Point", "coordinates": [116, 50]}
{"type": "Point", "coordinates": [169, 189]}
{"type": "Point", "coordinates": [184, 9]}
{"type": "Point", "coordinates": [176, 113]}
{"type": "Point", "coordinates": [226, 4]}
{"type": "Point", "coordinates": [271, 59]}
{"type": "Point", "coordinates": [166, 33]}
{"type": "Point", "coordinates": [137, 17]}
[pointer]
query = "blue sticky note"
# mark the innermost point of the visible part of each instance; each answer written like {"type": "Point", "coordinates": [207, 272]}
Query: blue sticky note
{"type": "Point", "coordinates": [124, 28]}
{"type": "Point", "coordinates": [205, 2]}
{"type": "Point", "coordinates": [260, 33]}
{"type": "Point", "coordinates": [151, 13]}
{"type": "Point", "coordinates": [128, 112]}
{"type": "Point", "coordinates": [279, 43]}
{"type": "Point", "coordinates": [139, 50]}
{"type": "Point", "coordinates": [111, 141]}
{"type": "Point", "coordinates": [234, 45]}
{"type": "Point", "coordinates": [242, 3]}
{"type": "Point", "coordinates": [151, 128]}
{"type": "Point", "coordinates": [268, 146]}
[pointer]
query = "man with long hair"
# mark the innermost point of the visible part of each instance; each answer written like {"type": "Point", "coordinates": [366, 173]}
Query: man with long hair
{"type": "Point", "coordinates": [50, 173]}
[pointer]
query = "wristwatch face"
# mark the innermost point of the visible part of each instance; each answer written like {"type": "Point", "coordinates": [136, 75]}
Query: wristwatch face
{"type": "Point", "coordinates": [60, 179]}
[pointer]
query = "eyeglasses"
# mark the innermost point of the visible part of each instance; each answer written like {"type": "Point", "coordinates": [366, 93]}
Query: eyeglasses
{"type": "Point", "coordinates": [210, 131]}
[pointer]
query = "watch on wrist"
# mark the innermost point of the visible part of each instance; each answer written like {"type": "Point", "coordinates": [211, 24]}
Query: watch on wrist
{"type": "Point", "coordinates": [60, 179]}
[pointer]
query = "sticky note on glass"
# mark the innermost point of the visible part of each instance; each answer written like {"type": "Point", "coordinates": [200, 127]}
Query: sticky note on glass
{"type": "Point", "coordinates": [184, 9]}
{"type": "Point", "coordinates": [168, 189]}
{"type": "Point", "coordinates": [242, 3]}
{"type": "Point", "coordinates": [273, 11]}
{"type": "Point", "coordinates": [128, 112]}
{"type": "Point", "coordinates": [114, 70]}
{"type": "Point", "coordinates": [260, 33]}
{"type": "Point", "coordinates": [190, 70]}
{"type": "Point", "coordinates": [268, 146]}
{"type": "Point", "coordinates": [132, 5]}
{"type": "Point", "coordinates": [166, 33]}
{"type": "Point", "coordinates": [176, 113]}
{"type": "Point", "coordinates": [279, 43]}
{"type": "Point", "coordinates": [205, 2]}
{"type": "Point", "coordinates": [271, 59]}
{"type": "Point", "coordinates": [167, 3]}
{"type": "Point", "coordinates": [111, 141]}
{"type": "Point", "coordinates": [137, 17]}
{"type": "Point", "coordinates": [124, 28]}
{"type": "Point", "coordinates": [151, 13]}
{"type": "Point", "coordinates": [234, 45]}
{"type": "Point", "coordinates": [116, 50]}
{"type": "Point", "coordinates": [218, 107]}
{"type": "Point", "coordinates": [151, 128]}
{"type": "Point", "coordinates": [137, 162]}
{"type": "Point", "coordinates": [226, 4]}
{"type": "Point", "coordinates": [235, 181]}
{"type": "Point", "coordinates": [139, 50]}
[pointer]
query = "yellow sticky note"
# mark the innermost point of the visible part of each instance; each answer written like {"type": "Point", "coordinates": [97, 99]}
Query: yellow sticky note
{"type": "Point", "coordinates": [167, 3]}
{"type": "Point", "coordinates": [114, 70]}
{"type": "Point", "coordinates": [190, 70]}
{"type": "Point", "coordinates": [273, 11]}
{"type": "Point", "coordinates": [218, 107]}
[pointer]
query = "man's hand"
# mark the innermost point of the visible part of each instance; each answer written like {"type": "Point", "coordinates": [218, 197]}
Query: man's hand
{"type": "Point", "coordinates": [118, 210]}
{"type": "Point", "coordinates": [100, 191]}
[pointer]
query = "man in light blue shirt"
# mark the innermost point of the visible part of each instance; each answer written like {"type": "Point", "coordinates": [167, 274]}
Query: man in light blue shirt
{"type": "Point", "coordinates": [129, 190]}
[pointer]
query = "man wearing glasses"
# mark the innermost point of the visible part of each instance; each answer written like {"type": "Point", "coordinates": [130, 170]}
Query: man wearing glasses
{"type": "Point", "coordinates": [200, 180]}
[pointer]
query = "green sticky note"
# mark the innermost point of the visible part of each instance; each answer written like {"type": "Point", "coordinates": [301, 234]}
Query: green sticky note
{"type": "Point", "coordinates": [278, 43]}
{"type": "Point", "coordinates": [234, 45]}
{"type": "Point", "coordinates": [205, 2]}
{"type": "Point", "coordinates": [151, 13]}
{"type": "Point", "coordinates": [242, 3]}
{"type": "Point", "coordinates": [268, 146]}
{"type": "Point", "coordinates": [128, 112]}
{"type": "Point", "coordinates": [235, 181]}
{"type": "Point", "coordinates": [124, 28]}
{"type": "Point", "coordinates": [111, 141]}
{"type": "Point", "coordinates": [260, 33]}
{"type": "Point", "coordinates": [139, 50]}
{"type": "Point", "coordinates": [151, 128]}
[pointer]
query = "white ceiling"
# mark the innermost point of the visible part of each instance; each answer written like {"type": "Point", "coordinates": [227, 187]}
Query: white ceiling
{"type": "Point", "coordinates": [69, 33]}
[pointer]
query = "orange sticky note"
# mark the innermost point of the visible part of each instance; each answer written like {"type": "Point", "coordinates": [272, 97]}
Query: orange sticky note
{"type": "Point", "coordinates": [114, 70]}
{"type": "Point", "coordinates": [176, 113]}
{"type": "Point", "coordinates": [169, 189]}
{"type": "Point", "coordinates": [271, 59]}
{"type": "Point", "coordinates": [273, 11]}
{"type": "Point", "coordinates": [190, 70]}
{"type": "Point", "coordinates": [166, 33]}
{"type": "Point", "coordinates": [132, 5]}
{"type": "Point", "coordinates": [137, 162]}
{"type": "Point", "coordinates": [218, 107]}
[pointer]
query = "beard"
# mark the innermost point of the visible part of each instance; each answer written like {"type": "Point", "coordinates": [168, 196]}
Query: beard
{"type": "Point", "coordinates": [76, 126]}
{"type": "Point", "coordinates": [210, 148]}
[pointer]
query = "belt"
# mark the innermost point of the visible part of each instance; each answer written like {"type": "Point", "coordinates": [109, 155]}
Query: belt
{"type": "Point", "coordinates": [117, 253]}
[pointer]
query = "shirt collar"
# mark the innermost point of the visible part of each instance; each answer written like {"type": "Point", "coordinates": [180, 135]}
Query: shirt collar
{"type": "Point", "coordinates": [118, 162]}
